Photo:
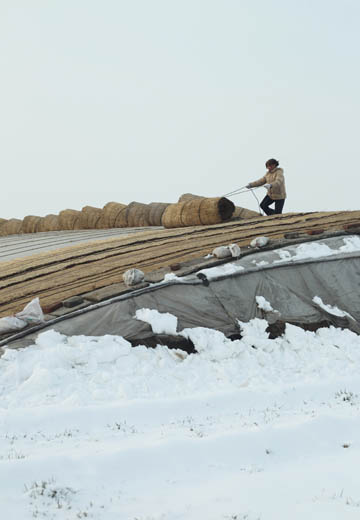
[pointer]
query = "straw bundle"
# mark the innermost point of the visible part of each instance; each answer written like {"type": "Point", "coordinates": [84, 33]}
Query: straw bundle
{"type": "Point", "coordinates": [171, 217]}
{"type": "Point", "coordinates": [137, 214]}
{"type": "Point", "coordinates": [156, 212]}
{"type": "Point", "coordinates": [244, 213]}
{"type": "Point", "coordinates": [111, 211]}
{"type": "Point", "coordinates": [189, 196]}
{"type": "Point", "coordinates": [11, 227]}
{"type": "Point", "coordinates": [69, 219]}
{"type": "Point", "coordinates": [121, 218]}
{"type": "Point", "coordinates": [195, 212]}
{"type": "Point", "coordinates": [215, 210]}
{"type": "Point", "coordinates": [89, 217]}
{"type": "Point", "coordinates": [190, 215]}
{"type": "Point", "coordinates": [101, 224]}
{"type": "Point", "coordinates": [2, 222]}
{"type": "Point", "coordinates": [49, 223]}
{"type": "Point", "coordinates": [30, 224]}
{"type": "Point", "coordinates": [239, 212]}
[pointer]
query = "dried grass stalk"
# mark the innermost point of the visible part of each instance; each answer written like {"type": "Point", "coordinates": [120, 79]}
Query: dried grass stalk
{"type": "Point", "coordinates": [111, 211]}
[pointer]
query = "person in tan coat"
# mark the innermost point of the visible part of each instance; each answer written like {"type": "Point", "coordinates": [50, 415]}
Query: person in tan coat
{"type": "Point", "coordinates": [274, 182]}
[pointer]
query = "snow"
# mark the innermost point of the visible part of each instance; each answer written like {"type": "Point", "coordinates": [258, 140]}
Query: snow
{"type": "Point", "coordinates": [247, 429]}
{"type": "Point", "coordinates": [160, 322]}
{"type": "Point", "coordinates": [221, 270]}
{"type": "Point", "coordinates": [263, 304]}
{"type": "Point", "coordinates": [306, 250]}
{"type": "Point", "coordinates": [331, 309]}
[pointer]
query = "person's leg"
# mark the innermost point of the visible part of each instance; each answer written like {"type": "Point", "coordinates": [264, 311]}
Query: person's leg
{"type": "Point", "coordinates": [264, 205]}
{"type": "Point", "coordinates": [279, 204]}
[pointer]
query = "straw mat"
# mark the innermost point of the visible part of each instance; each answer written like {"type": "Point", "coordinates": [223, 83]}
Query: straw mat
{"type": "Point", "coordinates": [59, 274]}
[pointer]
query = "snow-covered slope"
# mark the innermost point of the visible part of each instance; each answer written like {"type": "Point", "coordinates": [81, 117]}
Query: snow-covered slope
{"type": "Point", "coordinates": [250, 429]}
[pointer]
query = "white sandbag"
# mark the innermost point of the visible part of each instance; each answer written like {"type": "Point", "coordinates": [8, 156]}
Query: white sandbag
{"type": "Point", "coordinates": [227, 251]}
{"type": "Point", "coordinates": [32, 312]}
{"type": "Point", "coordinates": [259, 242]}
{"type": "Point", "coordinates": [234, 250]}
{"type": "Point", "coordinates": [11, 324]}
{"type": "Point", "coordinates": [221, 252]}
{"type": "Point", "coordinates": [133, 277]}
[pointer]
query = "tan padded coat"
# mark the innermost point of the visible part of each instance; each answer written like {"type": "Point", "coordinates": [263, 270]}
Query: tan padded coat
{"type": "Point", "coordinates": [277, 181]}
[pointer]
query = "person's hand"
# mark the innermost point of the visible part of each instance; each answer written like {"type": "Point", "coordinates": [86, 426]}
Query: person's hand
{"type": "Point", "coordinates": [267, 186]}
{"type": "Point", "coordinates": [248, 186]}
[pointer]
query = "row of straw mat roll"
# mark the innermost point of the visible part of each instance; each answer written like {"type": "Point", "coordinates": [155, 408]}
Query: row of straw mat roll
{"type": "Point", "coordinates": [190, 210]}
{"type": "Point", "coordinates": [112, 215]}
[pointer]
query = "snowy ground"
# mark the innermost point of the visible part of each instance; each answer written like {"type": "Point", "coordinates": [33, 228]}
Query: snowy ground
{"type": "Point", "coordinates": [244, 430]}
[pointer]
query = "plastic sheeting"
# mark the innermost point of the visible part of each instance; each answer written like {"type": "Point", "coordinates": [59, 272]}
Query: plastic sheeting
{"type": "Point", "coordinates": [288, 285]}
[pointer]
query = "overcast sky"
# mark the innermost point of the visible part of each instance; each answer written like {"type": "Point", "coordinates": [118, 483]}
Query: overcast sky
{"type": "Point", "coordinates": [144, 100]}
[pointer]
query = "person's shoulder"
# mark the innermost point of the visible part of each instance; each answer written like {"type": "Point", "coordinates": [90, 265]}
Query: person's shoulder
{"type": "Point", "coordinates": [280, 170]}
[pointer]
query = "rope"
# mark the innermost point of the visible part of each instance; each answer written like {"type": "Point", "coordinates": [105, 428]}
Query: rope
{"type": "Point", "coordinates": [258, 203]}
{"type": "Point", "coordinates": [244, 189]}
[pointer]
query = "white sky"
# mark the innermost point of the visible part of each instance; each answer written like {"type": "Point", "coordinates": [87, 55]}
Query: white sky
{"type": "Point", "coordinates": [146, 100]}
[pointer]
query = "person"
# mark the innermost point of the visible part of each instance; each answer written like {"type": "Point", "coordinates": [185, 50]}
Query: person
{"type": "Point", "coordinates": [274, 182]}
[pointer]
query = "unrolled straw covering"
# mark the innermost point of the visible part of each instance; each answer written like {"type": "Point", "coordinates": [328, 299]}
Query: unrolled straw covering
{"type": "Point", "coordinates": [244, 213]}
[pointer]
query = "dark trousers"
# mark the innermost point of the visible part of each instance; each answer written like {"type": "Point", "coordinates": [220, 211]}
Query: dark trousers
{"type": "Point", "coordinates": [267, 201]}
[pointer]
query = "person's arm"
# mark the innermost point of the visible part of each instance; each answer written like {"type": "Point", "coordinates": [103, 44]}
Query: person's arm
{"type": "Point", "coordinates": [259, 182]}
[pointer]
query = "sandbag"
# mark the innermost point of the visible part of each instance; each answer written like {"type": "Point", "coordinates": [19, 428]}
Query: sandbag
{"type": "Point", "coordinates": [133, 277]}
